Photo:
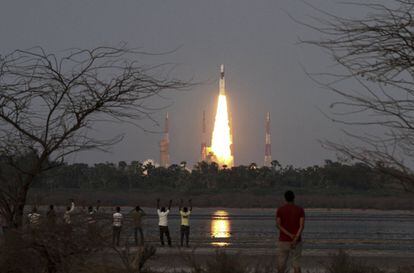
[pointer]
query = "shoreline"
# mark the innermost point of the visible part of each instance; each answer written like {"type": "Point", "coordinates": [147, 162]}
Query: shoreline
{"type": "Point", "coordinates": [228, 200]}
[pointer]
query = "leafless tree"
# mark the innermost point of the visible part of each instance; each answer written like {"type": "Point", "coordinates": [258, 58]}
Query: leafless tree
{"type": "Point", "coordinates": [374, 79]}
{"type": "Point", "coordinates": [49, 103]}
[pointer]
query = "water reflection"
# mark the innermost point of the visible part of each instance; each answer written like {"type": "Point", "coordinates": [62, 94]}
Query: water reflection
{"type": "Point", "coordinates": [220, 228]}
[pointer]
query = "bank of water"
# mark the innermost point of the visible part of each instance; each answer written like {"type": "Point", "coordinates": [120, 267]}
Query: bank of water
{"type": "Point", "coordinates": [360, 231]}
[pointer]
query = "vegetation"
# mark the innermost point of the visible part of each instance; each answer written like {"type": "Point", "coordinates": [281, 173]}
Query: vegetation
{"type": "Point", "coordinates": [41, 251]}
{"type": "Point", "coordinates": [49, 103]}
{"type": "Point", "coordinates": [331, 177]}
{"type": "Point", "coordinates": [333, 185]}
{"type": "Point", "coordinates": [373, 80]}
{"type": "Point", "coordinates": [339, 262]}
{"type": "Point", "coordinates": [58, 247]}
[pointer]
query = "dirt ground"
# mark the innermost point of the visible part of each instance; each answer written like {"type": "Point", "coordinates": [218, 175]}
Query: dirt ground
{"type": "Point", "coordinates": [177, 259]}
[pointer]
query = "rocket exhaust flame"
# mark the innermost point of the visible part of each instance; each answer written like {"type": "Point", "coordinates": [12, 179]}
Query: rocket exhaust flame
{"type": "Point", "coordinates": [221, 141]}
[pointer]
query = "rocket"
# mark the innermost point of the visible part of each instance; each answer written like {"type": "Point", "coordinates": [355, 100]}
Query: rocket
{"type": "Point", "coordinates": [222, 81]}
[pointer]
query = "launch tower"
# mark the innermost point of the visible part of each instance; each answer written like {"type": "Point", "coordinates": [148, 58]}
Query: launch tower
{"type": "Point", "coordinates": [165, 145]}
{"type": "Point", "coordinates": [268, 147]}
{"type": "Point", "coordinates": [203, 141]}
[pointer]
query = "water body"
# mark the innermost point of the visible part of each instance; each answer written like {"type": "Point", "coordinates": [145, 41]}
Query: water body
{"type": "Point", "coordinates": [361, 230]}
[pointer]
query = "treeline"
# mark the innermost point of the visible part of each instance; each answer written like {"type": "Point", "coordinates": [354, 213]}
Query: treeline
{"type": "Point", "coordinates": [206, 177]}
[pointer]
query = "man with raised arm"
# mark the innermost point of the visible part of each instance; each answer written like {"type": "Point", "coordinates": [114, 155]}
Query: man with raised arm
{"type": "Point", "coordinates": [290, 220]}
{"type": "Point", "coordinates": [163, 222]}
{"type": "Point", "coordinates": [185, 221]}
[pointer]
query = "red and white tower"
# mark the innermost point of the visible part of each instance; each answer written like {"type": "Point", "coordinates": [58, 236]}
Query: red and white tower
{"type": "Point", "coordinates": [268, 147]}
{"type": "Point", "coordinates": [203, 140]}
{"type": "Point", "coordinates": [165, 145]}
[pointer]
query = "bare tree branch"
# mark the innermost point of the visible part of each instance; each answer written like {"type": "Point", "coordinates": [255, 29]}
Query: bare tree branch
{"type": "Point", "coordinates": [49, 103]}
{"type": "Point", "coordinates": [376, 54]}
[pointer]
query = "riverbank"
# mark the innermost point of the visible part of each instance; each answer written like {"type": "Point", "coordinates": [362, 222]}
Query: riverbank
{"type": "Point", "coordinates": [224, 199]}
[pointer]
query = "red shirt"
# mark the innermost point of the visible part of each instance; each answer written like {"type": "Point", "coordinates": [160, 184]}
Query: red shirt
{"type": "Point", "coordinates": [289, 215]}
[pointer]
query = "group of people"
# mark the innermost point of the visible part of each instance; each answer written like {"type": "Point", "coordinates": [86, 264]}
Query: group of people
{"type": "Point", "coordinates": [137, 214]}
{"type": "Point", "coordinates": [162, 213]}
{"type": "Point", "coordinates": [290, 220]}
{"type": "Point", "coordinates": [34, 217]}
{"type": "Point", "coordinates": [185, 213]}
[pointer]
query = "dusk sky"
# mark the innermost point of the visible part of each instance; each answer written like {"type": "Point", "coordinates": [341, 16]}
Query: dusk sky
{"type": "Point", "coordinates": [257, 42]}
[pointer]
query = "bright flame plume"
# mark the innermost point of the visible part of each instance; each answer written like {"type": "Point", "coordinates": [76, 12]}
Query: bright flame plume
{"type": "Point", "coordinates": [221, 142]}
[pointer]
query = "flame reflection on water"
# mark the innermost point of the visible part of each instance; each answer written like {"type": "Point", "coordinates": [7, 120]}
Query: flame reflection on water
{"type": "Point", "coordinates": [220, 228]}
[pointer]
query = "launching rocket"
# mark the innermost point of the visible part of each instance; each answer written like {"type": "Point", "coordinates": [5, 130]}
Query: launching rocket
{"type": "Point", "coordinates": [222, 81]}
{"type": "Point", "coordinates": [222, 139]}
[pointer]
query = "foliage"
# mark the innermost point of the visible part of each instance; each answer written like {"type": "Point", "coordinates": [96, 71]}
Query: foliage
{"type": "Point", "coordinates": [341, 262]}
{"type": "Point", "coordinates": [51, 248]}
{"type": "Point", "coordinates": [206, 177]}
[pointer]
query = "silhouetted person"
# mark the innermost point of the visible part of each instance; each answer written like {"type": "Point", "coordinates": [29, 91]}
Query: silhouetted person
{"type": "Point", "coordinates": [290, 220]}
{"type": "Point", "coordinates": [4, 223]}
{"type": "Point", "coordinates": [117, 219]}
{"type": "Point", "coordinates": [34, 218]}
{"type": "Point", "coordinates": [91, 219]}
{"type": "Point", "coordinates": [51, 216]}
{"type": "Point", "coordinates": [98, 206]}
{"type": "Point", "coordinates": [69, 210]}
{"type": "Point", "coordinates": [137, 214]}
{"type": "Point", "coordinates": [185, 222]}
{"type": "Point", "coordinates": [163, 222]}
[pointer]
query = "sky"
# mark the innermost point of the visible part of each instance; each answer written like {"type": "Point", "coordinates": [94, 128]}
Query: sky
{"type": "Point", "coordinates": [257, 41]}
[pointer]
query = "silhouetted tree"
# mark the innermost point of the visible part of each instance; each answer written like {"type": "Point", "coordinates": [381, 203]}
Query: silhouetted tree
{"type": "Point", "coordinates": [375, 53]}
{"type": "Point", "coordinates": [49, 103]}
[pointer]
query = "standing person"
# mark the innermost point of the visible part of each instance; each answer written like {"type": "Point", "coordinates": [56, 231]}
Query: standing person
{"type": "Point", "coordinates": [137, 215]}
{"type": "Point", "coordinates": [33, 218]}
{"type": "Point", "coordinates": [185, 222]}
{"type": "Point", "coordinates": [117, 219]}
{"type": "Point", "coordinates": [51, 216]}
{"type": "Point", "coordinates": [163, 222]}
{"type": "Point", "coordinates": [3, 223]}
{"type": "Point", "coordinates": [290, 220]}
{"type": "Point", "coordinates": [68, 212]}
{"type": "Point", "coordinates": [91, 218]}
{"type": "Point", "coordinates": [98, 205]}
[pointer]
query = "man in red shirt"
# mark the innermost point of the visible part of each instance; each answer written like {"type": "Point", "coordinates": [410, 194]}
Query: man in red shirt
{"type": "Point", "coordinates": [290, 220]}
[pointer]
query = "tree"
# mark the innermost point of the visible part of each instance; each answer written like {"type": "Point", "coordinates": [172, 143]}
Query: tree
{"type": "Point", "coordinates": [375, 82]}
{"type": "Point", "coordinates": [49, 104]}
